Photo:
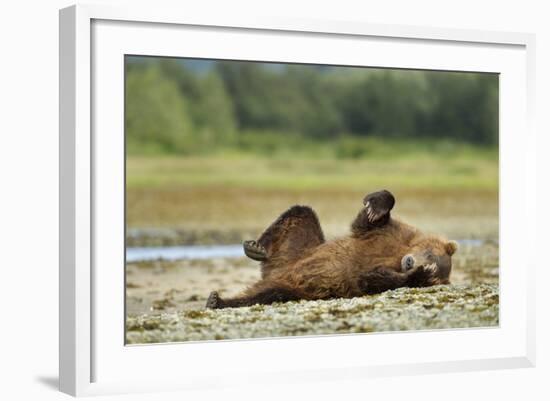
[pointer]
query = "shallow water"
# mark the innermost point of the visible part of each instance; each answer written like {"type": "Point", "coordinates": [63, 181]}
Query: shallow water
{"type": "Point", "coordinates": [137, 254]}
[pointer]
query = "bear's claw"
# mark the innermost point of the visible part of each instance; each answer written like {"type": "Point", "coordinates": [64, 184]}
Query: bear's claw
{"type": "Point", "coordinates": [370, 212]}
{"type": "Point", "coordinates": [430, 273]}
{"type": "Point", "coordinates": [431, 268]}
{"type": "Point", "coordinates": [378, 204]}
{"type": "Point", "coordinates": [254, 250]}
{"type": "Point", "coordinates": [423, 276]}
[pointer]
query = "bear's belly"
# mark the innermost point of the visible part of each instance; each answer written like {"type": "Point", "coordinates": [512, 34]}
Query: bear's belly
{"type": "Point", "coordinates": [322, 276]}
{"type": "Point", "coordinates": [333, 269]}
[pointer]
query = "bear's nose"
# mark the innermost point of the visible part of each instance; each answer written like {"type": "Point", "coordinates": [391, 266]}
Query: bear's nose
{"type": "Point", "coordinates": [407, 263]}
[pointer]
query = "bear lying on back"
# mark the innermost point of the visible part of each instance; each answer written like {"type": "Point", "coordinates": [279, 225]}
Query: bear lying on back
{"type": "Point", "coordinates": [381, 254]}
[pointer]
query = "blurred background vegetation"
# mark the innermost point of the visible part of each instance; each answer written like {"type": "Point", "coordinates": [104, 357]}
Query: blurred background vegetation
{"type": "Point", "coordinates": [178, 106]}
{"type": "Point", "coordinates": [226, 145]}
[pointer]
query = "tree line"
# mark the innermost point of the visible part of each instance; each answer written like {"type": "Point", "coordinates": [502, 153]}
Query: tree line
{"type": "Point", "coordinates": [173, 108]}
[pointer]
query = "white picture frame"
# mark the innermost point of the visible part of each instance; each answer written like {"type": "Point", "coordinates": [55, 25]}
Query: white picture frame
{"type": "Point", "coordinates": [93, 357]}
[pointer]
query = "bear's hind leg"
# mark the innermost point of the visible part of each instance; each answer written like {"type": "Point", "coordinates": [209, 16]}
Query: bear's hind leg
{"type": "Point", "coordinates": [263, 295]}
{"type": "Point", "coordinates": [295, 231]}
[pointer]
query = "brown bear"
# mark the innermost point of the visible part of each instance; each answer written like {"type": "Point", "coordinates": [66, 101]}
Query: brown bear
{"type": "Point", "coordinates": [381, 254]}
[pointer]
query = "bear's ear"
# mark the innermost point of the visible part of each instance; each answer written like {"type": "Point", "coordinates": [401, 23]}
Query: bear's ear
{"type": "Point", "coordinates": [451, 247]}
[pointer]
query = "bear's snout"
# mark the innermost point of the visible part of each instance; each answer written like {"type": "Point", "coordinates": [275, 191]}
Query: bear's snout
{"type": "Point", "coordinates": [407, 263]}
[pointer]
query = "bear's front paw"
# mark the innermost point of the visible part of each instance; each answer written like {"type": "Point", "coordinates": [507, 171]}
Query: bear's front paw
{"type": "Point", "coordinates": [378, 204]}
{"type": "Point", "coordinates": [423, 276]}
{"type": "Point", "coordinates": [213, 301]}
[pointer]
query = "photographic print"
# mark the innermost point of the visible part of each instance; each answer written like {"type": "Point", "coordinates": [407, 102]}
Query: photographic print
{"type": "Point", "coordinates": [268, 200]}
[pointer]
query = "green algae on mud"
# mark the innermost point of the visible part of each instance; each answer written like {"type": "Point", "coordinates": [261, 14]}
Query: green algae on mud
{"type": "Point", "coordinates": [438, 307]}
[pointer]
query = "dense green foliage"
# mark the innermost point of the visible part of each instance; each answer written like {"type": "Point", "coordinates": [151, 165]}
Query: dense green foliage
{"type": "Point", "coordinates": [188, 107]}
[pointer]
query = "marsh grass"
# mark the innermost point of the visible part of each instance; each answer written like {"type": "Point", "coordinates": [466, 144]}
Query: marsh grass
{"type": "Point", "coordinates": [437, 171]}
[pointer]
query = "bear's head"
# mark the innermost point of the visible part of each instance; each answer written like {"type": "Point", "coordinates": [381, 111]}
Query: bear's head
{"type": "Point", "coordinates": [430, 249]}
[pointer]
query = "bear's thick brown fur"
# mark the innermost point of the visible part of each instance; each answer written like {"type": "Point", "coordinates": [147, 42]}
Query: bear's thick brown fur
{"type": "Point", "coordinates": [381, 253]}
